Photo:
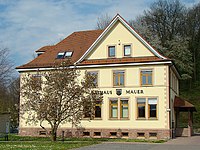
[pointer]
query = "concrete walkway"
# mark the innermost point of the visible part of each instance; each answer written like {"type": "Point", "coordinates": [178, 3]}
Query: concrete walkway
{"type": "Point", "coordinates": [181, 143]}
{"type": "Point", "coordinates": [194, 140]}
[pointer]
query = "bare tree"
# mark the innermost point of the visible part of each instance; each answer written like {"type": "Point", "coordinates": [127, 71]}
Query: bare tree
{"type": "Point", "coordinates": [57, 96]}
{"type": "Point", "coordinates": [6, 67]}
{"type": "Point", "coordinates": [164, 26]}
{"type": "Point", "coordinates": [103, 21]}
{"type": "Point", "coordinates": [166, 18]}
{"type": "Point", "coordinates": [13, 102]}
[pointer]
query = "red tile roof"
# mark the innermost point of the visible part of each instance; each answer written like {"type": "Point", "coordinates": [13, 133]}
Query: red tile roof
{"type": "Point", "coordinates": [183, 104]}
{"type": "Point", "coordinates": [78, 42]}
{"type": "Point", "coordinates": [45, 48]}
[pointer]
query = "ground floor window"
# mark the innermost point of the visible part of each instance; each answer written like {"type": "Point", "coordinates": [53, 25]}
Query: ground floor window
{"type": "Point", "coordinates": [123, 108]}
{"type": "Point", "coordinates": [119, 108]}
{"type": "Point", "coordinates": [114, 108]}
{"type": "Point", "coordinates": [141, 102]}
{"type": "Point", "coordinates": [144, 104]}
{"type": "Point", "coordinates": [152, 106]}
{"type": "Point", "coordinates": [97, 113]}
{"type": "Point", "coordinates": [93, 112]}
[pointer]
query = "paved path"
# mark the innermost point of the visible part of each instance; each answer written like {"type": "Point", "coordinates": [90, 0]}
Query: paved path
{"type": "Point", "coordinates": [181, 143]}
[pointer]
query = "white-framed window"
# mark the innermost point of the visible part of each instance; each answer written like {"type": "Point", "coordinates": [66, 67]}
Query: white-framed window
{"type": "Point", "coordinates": [68, 54]}
{"type": "Point", "coordinates": [127, 50]}
{"type": "Point", "coordinates": [111, 51]}
{"type": "Point", "coordinates": [60, 55]}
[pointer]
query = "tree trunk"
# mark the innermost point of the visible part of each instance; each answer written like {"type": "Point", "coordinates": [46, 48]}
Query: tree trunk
{"type": "Point", "coordinates": [54, 134]}
{"type": "Point", "coordinates": [195, 72]}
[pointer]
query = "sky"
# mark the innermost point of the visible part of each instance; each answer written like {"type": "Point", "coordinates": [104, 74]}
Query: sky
{"type": "Point", "coordinates": [27, 25]}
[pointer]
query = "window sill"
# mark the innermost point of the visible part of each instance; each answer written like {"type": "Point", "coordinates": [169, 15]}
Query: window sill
{"type": "Point", "coordinates": [147, 119]}
{"type": "Point", "coordinates": [86, 119]}
{"type": "Point", "coordinates": [141, 119]}
{"type": "Point", "coordinates": [152, 118]}
{"type": "Point", "coordinates": [146, 85]}
{"type": "Point", "coordinates": [124, 119]}
{"type": "Point", "coordinates": [97, 119]}
{"type": "Point", "coordinates": [113, 119]}
{"type": "Point", "coordinates": [121, 119]}
{"type": "Point", "coordinates": [118, 86]}
{"type": "Point", "coordinates": [128, 56]}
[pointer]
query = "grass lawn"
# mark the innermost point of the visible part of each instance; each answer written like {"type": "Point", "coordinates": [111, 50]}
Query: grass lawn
{"type": "Point", "coordinates": [43, 143]}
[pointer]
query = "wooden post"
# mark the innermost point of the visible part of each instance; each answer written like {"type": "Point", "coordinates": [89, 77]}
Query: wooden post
{"type": "Point", "coordinates": [177, 118]}
{"type": "Point", "coordinates": [189, 124]}
{"type": "Point", "coordinates": [63, 136]}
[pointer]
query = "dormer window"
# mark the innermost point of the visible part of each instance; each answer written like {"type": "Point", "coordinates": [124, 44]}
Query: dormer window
{"type": "Point", "coordinates": [39, 53]}
{"type": "Point", "coordinates": [68, 54]}
{"type": "Point", "coordinates": [60, 55]}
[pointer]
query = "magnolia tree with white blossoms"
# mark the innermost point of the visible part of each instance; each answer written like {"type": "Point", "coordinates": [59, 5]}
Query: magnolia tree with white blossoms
{"type": "Point", "coordinates": [57, 96]}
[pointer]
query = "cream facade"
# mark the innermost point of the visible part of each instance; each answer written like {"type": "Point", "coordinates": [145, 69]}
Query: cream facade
{"type": "Point", "coordinates": [138, 86]}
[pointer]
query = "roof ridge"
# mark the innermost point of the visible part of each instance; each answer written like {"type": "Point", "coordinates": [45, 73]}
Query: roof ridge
{"type": "Point", "coordinates": [87, 30]}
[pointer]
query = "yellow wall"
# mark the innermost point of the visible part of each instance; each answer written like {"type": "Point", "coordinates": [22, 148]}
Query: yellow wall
{"type": "Point", "coordinates": [119, 35]}
{"type": "Point", "coordinates": [132, 82]}
{"type": "Point", "coordinates": [174, 91]}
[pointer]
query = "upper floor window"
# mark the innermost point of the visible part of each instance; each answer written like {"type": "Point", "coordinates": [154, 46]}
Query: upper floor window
{"type": "Point", "coordinates": [146, 77]}
{"type": "Point", "coordinates": [111, 51]}
{"type": "Point", "coordinates": [127, 50]}
{"type": "Point", "coordinates": [94, 76]}
{"type": "Point", "coordinates": [118, 78]}
{"type": "Point", "coordinates": [36, 80]}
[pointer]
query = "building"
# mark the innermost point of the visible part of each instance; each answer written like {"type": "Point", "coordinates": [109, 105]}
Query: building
{"type": "Point", "coordinates": [140, 87]}
{"type": "Point", "coordinates": [5, 122]}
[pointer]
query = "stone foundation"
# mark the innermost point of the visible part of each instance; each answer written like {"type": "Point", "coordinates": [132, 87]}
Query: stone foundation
{"type": "Point", "coordinates": [101, 133]}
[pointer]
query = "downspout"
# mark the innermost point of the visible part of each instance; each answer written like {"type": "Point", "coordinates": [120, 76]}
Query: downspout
{"type": "Point", "coordinates": [170, 105]}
